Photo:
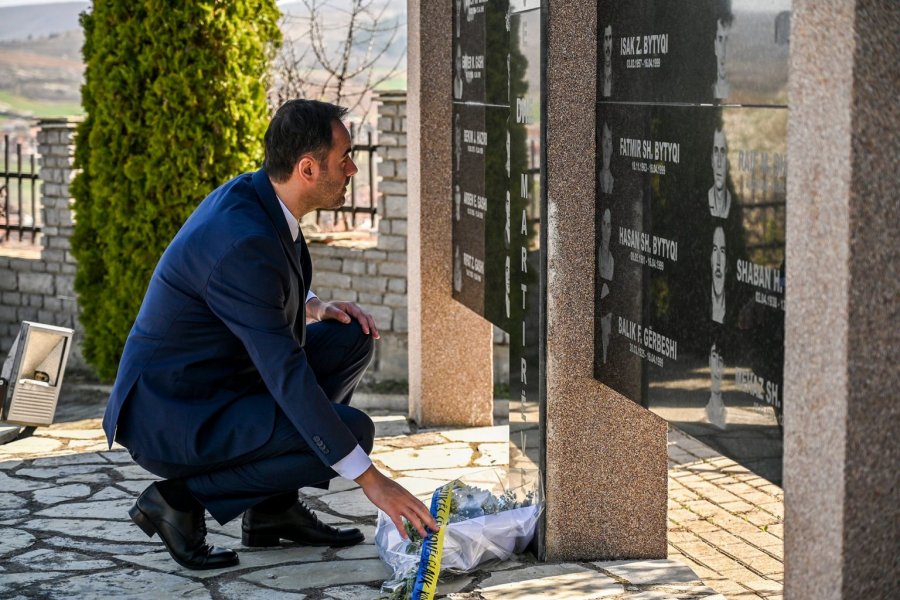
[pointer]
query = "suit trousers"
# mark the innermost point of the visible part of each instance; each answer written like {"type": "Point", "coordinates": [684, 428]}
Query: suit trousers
{"type": "Point", "coordinates": [338, 355]}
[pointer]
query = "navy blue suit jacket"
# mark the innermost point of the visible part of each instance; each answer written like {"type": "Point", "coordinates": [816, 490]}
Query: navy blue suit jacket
{"type": "Point", "coordinates": [218, 341]}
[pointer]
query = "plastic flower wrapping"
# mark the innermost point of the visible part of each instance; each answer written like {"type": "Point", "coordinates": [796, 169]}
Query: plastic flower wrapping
{"type": "Point", "coordinates": [486, 516]}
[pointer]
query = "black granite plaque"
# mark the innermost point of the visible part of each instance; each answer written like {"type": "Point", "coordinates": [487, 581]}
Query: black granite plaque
{"type": "Point", "coordinates": [498, 198]}
{"type": "Point", "coordinates": [694, 51]}
{"type": "Point", "coordinates": [480, 184]}
{"type": "Point", "coordinates": [496, 179]}
{"type": "Point", "coordinates": [690, 268]}
{"type": "Point", "coordinates": [525, 218]}
{"type": "Point", "coordinates": [480, 50]}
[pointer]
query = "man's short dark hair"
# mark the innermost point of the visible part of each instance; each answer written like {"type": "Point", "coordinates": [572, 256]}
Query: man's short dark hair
{"type": "Point", "coordinates": [299, 127]}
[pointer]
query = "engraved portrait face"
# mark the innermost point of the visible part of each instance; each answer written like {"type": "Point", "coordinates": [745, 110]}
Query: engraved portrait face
{"type": "Point", "coordinates": [721, 44]}
{"type": "Point", "coordinates": [606, 146]}
{"type": "Point", "coordinates": [716, 368]}
{"type": "Point", "coordinates": [717, 261]}
{"type": "Point", "coordinates": [507, 152]}
{"type": "Point", "coordinates": [506, 228]}
{"type": "Point", "coordinates": [605, 228]}
{"type": "Point", "coordinates": [720, 159]}
{"type": "Point", "coordinates": [457, 141]}
{"type": "Point", "coordinates": [607, 45]}
{"type": "Point", "coordinates": [457, 199]}
{"type": "Point", "coordinates": [457, 270]}
{"type": "Point", "coordinates": [506, 280]}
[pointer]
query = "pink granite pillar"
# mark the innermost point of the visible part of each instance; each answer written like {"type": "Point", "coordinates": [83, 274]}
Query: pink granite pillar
{"type": "Point", "coordinates": [606, 468]}
{"type": "Point", "coordinates": [842, 351]}
{"type": "Point", "coordinates": [450, 361]}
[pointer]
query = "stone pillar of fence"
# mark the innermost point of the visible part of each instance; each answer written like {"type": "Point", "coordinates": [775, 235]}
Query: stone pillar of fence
{"type": "Point", "coordinates": [375, 276]}
{"type": "Point", "coordinates": [56, 146]}
{"type": "Point", "coordinates": [392, 202]}
{"type": "Point", "coordinates": [42, 288]}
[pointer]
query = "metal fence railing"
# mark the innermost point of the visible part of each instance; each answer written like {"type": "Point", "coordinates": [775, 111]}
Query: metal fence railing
{"type": "Point", "coordinates": [362, 204]}
{"type": "Point", "coordinates": [763, 215]}
{"type": "Point", "coordinates": [19, 206]}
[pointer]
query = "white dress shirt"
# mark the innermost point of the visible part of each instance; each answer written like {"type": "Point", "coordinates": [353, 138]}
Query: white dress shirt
{"type": "Point", "coordinates": [357, 461]}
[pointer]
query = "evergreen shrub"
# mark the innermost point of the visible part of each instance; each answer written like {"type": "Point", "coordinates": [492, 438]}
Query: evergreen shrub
{"type": "Point", "coordinates": [175, 103]}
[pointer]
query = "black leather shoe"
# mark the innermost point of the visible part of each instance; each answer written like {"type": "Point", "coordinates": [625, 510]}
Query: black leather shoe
{"type": "Point", "coordinates": [298, 524]}
{"type": "Point", "coordinates": [183, 533]}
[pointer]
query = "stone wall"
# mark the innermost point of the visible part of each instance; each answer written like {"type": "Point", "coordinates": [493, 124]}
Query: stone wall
{"type": "Point", "coordinates": [40, 286]}
{"type": "Point", "coordinates": [373, 273]}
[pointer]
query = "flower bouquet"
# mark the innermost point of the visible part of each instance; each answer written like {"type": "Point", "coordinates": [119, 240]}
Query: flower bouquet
{"type": "Point", "coordinates": [481, 519]}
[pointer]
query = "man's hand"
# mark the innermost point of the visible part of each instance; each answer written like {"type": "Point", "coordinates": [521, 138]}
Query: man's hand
{"type": "Point", "coordinates": [396, 502]}
{"type": "Point", "coordinates": [343, 312]}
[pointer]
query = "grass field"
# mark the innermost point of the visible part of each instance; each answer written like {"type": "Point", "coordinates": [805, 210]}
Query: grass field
{"type": "Point", "coordinates": [40, 109]}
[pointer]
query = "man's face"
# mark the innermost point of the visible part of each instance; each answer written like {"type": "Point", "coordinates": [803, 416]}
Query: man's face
{"type": "Point", "coordinates": [721, 43]}
{"type": "Point", "coordinates": [720, 159]}
{"type": "Point", "coordinates": [606, 146]}
{"type": "Point", "coordinates": [336, 170]}
{"type": "Point", "coordinates": [457, 138]}
{"type": "Point", "coordinates": [607, 44]}
{"type": "Point", "coordinates": [605, 228]}
{"type": "Point", "coordinates": [715, 369]}
{"type": "Point", "coordinates": [717, 261]}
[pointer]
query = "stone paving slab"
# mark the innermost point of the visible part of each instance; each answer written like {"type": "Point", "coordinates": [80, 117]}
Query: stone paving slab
{"type": "Point", "coordinates": [123, 583]}
{"type": "Point", "coordinates": [59, 494]}
{"type": "Point", "coordinates": [448, 455]}
{"type": "Point", "coordinates": [304, 576]}
{"type": "Point", "coordinates": [477, 434]}
{"type": "Point", "coordinates": [161, 561]}
{"type": "Point", "coordinates": [240, 590]}
{"type": "Point", "coordinates": [649, 572]}
{"type": "Point", "coordinates": [351, 592]}
{"type": "Point", "coordinates": [552, 582]}
{"type": "Point", "coordinates": [65, 533]}
{"type": "Point", "coordinates": [391, 426]}
{"type": "Point", "coordinates": [52, 559]}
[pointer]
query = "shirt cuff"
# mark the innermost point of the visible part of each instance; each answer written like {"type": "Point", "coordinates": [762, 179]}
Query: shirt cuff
{"type": "Point", "coordinates": [310, 295]}
{"type": "Point", "coordinates": [354, 464]}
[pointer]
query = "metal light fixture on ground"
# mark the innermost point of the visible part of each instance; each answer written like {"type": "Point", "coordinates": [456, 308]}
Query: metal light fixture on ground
{"type": "Point", "coordinates": [32, 374]}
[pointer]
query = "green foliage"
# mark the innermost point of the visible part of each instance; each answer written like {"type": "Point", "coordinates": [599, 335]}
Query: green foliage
{"type": "Point", "coordinates": [175, 103]}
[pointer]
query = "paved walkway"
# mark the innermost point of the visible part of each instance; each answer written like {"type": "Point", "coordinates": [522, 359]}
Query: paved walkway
{"type": "Point", "coordinates": [64, 531]}
{"type": "Point", "coordinates": [725, 522]}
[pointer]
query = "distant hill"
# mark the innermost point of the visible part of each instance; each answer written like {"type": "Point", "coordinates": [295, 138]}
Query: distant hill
{"type": "Point", "coordinates": [45, 69]}
{"type": "Point", "coordinates": [42, 20]}
{"type": "Point", "coordinates": [40, 51]}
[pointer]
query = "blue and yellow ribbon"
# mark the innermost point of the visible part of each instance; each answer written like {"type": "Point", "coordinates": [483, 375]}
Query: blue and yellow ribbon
{"type": "Point", "coordinates": [433, 546]}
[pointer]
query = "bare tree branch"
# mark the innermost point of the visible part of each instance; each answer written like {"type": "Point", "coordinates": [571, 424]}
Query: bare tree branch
{"type": "Point", "coordinates": [340, 56]}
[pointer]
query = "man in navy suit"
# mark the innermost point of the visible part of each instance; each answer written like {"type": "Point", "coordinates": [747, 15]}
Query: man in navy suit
{"type": "Point", "coordinates": [223, 390]}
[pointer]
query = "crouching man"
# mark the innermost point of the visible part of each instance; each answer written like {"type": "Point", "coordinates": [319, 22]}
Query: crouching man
{"type": "Point", "coordinates": [223, 389]}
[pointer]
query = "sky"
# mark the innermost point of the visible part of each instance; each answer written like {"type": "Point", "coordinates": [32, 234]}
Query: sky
{"type": "Point", "coordinates": [5, 3]}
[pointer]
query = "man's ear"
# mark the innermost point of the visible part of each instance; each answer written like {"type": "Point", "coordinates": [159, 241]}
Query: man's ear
{"type": "Point", "coordinates": [307, 168]}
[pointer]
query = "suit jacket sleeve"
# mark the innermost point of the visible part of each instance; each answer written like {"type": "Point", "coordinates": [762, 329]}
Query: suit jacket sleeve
{"type": "Point", "coordinates": [248, 289]}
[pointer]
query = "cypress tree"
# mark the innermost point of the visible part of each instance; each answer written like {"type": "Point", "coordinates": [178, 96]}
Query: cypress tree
{"type": "Point", "coordinates": [175, 103]}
